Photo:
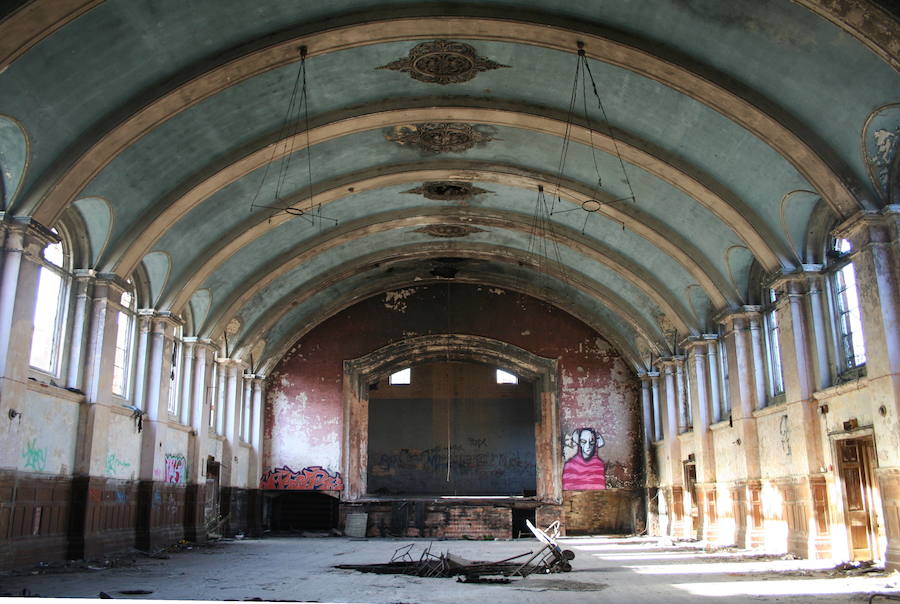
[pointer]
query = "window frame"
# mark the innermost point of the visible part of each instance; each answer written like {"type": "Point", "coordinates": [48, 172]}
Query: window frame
{"type": "Point", "coordinates": [845, 356]}
{"type": "Point", "coordinates": [128, 367]}
{"type": "Point", "coordinates": [60, 322]}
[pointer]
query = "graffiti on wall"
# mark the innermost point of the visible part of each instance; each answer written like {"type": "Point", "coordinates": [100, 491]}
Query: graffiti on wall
{"type": "Point", "coordinates": [313, 478]}
{"type": "Point", "coordinates": [176, 466]}
{"type": "Point", "coordinates": [784, 428]}
{"type": "Point", "coordinates": [114, 464]}
{"type": "Point", "coordinates": [583, 469]}
{"type": "Point", "coordinates": [35, 457]}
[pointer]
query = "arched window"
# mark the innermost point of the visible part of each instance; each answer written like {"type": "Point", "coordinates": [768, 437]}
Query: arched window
{"type": "Point", "coordinates": [50, 310]}
{"type": "Point", "coordinates": [852, 348]}
{"type": "Point", "coordinates": [773, 346]}
{"type": "Point", "coordinates": [125, 327]}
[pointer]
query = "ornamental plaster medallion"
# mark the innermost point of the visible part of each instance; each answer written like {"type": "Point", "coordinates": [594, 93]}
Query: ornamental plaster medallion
{"type": "Point", "coordinates": [442, 62]}
{"type": "Point", "coordinates": [448, 190]}
{"type": "Point", "coordinates": [438, 137]}
{"type": "Point", "coordinates": [447, 231]}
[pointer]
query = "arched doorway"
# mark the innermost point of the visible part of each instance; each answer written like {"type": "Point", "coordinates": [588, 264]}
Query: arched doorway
{"type": "Point", "coordinates": [360, 374]}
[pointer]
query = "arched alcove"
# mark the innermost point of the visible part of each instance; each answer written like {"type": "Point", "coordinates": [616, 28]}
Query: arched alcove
{"type": "Point", "coordinates": [361, 372]}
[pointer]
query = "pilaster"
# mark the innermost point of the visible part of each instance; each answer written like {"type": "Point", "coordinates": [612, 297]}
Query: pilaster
{"type": "Point", "coordinates": [21, 252]}
{"type": "Point", "coordinates": [875, 240]}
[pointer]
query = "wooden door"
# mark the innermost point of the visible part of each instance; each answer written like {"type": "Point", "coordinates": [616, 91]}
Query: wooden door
{"type": "Point", "coordinates": [857, 475]}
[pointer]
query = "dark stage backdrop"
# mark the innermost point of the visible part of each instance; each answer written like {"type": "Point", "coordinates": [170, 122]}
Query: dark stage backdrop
{"type": "Point", "coordinates": [491, 448]}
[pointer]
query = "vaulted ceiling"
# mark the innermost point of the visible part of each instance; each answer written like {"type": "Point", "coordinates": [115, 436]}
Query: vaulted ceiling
{"type": "Point", "coordinates": [157, 130]}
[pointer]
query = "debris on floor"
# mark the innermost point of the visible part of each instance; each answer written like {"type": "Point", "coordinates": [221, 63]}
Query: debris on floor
{"type": "Point", "coordinates": [548, 559]}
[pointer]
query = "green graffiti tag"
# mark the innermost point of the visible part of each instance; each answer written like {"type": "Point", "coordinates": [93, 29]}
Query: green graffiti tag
{"type": "Point", "coordinates": [114, 464]}
{"type": "Point", "coordinates": [35, 458]}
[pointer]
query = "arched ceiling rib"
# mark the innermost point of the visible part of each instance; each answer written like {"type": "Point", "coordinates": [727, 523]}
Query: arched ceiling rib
{"type": "Point", "coordinates": [734, 213]}
{"type": "Point", "coordinates": [405, 221]}
{"type": "Point", "coordinates": [46, 205]}
{"type": "Point", "coordinates": [651, 229]}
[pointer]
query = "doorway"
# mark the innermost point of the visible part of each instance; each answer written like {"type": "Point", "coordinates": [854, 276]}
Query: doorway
{"type": "Point", "coordinates": [856, 466]}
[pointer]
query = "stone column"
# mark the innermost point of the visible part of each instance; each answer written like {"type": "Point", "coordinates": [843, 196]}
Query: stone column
{"type": "Point", "coordinates": [199, 403]}
{"type": "Point", "coordinates": [685, 414]}
{"type": "Point", "coordinates": [819, 333]}
{"type": "Point", "coordinates": [744, 382]}
{"type": "Point", "coordinates": [256, 428]}
{"type": "Point", "coordinates": [99, 357]}
{"type": "Point", "coordinates": [875, 239]}
{"type": "Point", "coordinates": [755, 323]}
{"type": "Point", "coordinates": [233, 370]}
{"type": "Point", "coordinates": [246, 407]}
{"type": "Point", "coordinates": [82, 290]}
{"type": "Point", "coordinates": [221, 388]}
{"type": "Point", "coordinates": [673, 446]}
{"type": "Point", "coordinates": [144, 327]}
{"type": "Point", "coordinates": [697, 350]}
{"type": "Point", "coordinates": [86, 535]}
{"type": "Point", "coordinates": [187, 379]}
{"type": "Point", "coordinates": [23, 242]}
{"type": "Point", "coordinates": [657, 411]}
{"type": "Point", "coordinates": [712, 364]}
{"type": "Point", "coordinates": [155, 527]}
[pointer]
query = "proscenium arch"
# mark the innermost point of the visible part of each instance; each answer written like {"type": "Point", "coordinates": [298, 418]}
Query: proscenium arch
{"type": "Point", "coordinates": [360, 372]}
{"type": "Point", "coordinates": [260, 329]}
{"type": "Point", "coordinates": [630, 353]}
{"type": "Point", "coordinates": [49, 198]}
{"type": "Point", "coordinates": [716, 285]}
{"type": "Point", "coordinates": [736, 215]}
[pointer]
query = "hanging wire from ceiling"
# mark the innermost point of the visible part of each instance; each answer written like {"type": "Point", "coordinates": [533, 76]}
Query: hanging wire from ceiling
{"type": "Point", "coordinates": [284, 147]}
{"type": "Point", "coordinates": [595, 203]}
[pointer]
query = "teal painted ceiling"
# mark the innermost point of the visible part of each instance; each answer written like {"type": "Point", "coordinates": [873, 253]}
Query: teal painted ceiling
{"type": "Point", "coordinates": [151, 127]}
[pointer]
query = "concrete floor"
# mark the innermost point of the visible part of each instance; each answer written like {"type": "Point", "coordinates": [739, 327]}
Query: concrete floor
{"type": "Point", "coordinates": [645, 570]}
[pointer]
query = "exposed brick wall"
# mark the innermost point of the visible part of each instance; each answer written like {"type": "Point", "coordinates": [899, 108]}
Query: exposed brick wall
{"type": "Point", "coordinates": [606, 511]}
{"type": "Point", "coordinates": [435, 520]}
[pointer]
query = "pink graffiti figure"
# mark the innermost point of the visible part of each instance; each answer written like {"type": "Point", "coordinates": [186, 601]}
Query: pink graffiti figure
{"type": "Point", "coordinates": [584, 470]}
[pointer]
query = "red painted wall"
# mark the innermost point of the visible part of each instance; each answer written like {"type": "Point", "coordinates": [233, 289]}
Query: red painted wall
{"type": "Point", "coordinates": [303, 415]}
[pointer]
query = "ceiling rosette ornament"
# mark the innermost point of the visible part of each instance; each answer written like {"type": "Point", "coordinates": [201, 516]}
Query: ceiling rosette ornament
{"type": "Point", "coordinates": [442, 62]}
{"type": "Point", "coordinates": [448, 190]}
{"type": "Point", "coordinates": [438, 137]}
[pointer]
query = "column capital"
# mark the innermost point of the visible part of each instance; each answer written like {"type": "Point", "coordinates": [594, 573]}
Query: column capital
{"type": "Point", "coordinates": [870, 226]}
{"type": "Point", "coordinates": [84, 274]}
{"type": "Point", "coordinates": [113, 280]}
{"type": "Point", "coordinates": [34, 235]}
{"type": "Point", "coordinates": [742, 313]}
{"type": "Point", "coordinates": [796, 281]}
{"type": "Point", "coordinates": [673, 363]}
{"type": "Point", "coordinates": [232, 363]}
{"type": "Point", "coordinates": [694, 344]}
{"type": "Point", "coordinates": [198, 343]}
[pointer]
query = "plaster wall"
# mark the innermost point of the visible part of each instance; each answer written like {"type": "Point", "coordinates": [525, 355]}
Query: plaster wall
{"type": "Point", "coordinates": [303, 414]}
{"type": "Point", "coordinates": [46, 431]}
{"type": "Point", "coordinates": [730, 465]}
{"type": "Point", "coordinates": [123, 446]}
{"type": "Point", "coordinates": [782, 442]}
